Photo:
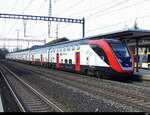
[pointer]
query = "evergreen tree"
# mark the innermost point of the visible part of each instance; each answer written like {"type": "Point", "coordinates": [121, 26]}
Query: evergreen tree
{"type": "Point", "coordinates": [3, 52]}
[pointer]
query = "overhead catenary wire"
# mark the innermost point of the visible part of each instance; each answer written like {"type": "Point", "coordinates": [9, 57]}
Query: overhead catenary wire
{"type": "Point", "coordinates": [112, 11]}
{"type": "Point", "coordinates": [13, 7]}
{"type": "Point", "coordinates": [103, 5]}
{"type": "Point", "coordinates": [77, 3]}
{"type": "Point", "coordinates": [63, 11]}
{"type": "Point", "coordinates": [87, 10]}
{"type": "Point", "coordinates": [15, 3]}
{"type": "Point", "coordinates": [112, 25]}
{"type": "Point", "coordinates": [107, 12]}
{"type": "Point", "coordinates": [28, 5]}
{"type": "Point", "coordinates": [116, 10]}
{"type": "Point", "coordinates": [122, 2]}
{"type": "Point", "coordinates": [39, 9]}
{"type": "Point", "coordinates": [90, 9]}
{"type": "Point", "coordinates": [118, 4]}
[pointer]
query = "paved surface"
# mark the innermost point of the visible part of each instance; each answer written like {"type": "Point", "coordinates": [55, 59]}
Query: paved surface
{"type": "Point", "coordinates": [143, 73]}
{"type": "Point", "coordinates": [1, 106]}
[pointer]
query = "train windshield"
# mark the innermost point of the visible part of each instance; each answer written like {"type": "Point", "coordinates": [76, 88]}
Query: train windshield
{"type": "Point", "coordinates": [122, 54]}
{"type": "Point", "coordinates": [120, 50]}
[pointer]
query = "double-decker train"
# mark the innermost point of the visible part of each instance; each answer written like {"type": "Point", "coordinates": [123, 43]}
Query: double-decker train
{"type": "Point", "coordinates": [97, 56]}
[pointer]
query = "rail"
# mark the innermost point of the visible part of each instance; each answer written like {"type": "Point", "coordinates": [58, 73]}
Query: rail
{"type": "Point", "coordinates": [32, 100]}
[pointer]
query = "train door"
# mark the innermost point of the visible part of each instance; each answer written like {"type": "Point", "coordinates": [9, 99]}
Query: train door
{"type": "Point", "coordinates": [50, 58]}
{"type": "Point", "coordinates": [57, 61]}
{"type": "Point", "coordinates": [77, 61]}
{"type": "Point", "coordinates": [41, 59]}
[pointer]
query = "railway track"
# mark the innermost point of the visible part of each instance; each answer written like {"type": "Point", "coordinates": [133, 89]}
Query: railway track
{"type": "Point", "coordinates": [125, 97]}
{"type": "Point", "coordinates": [121, 96]}
{"type": "Point", "coordinates": [28, 99]}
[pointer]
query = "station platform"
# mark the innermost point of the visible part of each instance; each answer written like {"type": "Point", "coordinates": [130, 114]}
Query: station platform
{"type": "Point", "coordinates": [143, 74]}
{"type": "Point", "coordinates": [1, 105]}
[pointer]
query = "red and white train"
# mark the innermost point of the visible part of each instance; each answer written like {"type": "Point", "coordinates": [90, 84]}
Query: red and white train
{"type": "Point", "coordinates": [97, 56]}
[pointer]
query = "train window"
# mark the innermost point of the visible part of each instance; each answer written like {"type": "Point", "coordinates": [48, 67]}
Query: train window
{"type": "Point", "coordinates": [120, 50]}
{"type": "Point", "coordinates": [100, 52]}
{"type": "Point", "coordinates": [66, 61]}
{"type": "Point", "coordinates": [73, 48]}
{"type": "Point", "coordinates": [68, 49]}
{"type": "Point", "coordinates": [61, 60]}
{"type": "Point", "coordinates": [70, 61]}
{"type": "Point", "coordinates": [64, 49]}
{"type": "Point", "coordinates": [60, 50]}
{"type": "Point", "coordinates": [78, 47]}
{"type": "Point", "coordinates": [87, 58]}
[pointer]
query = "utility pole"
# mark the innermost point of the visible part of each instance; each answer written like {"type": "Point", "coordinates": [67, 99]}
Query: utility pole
{"type": "Point", "coordinates": [83, 27]}
{"type": "Point", "coordinates": [49, 14]}
{"type": "Point", "coordinates": [57, 32]}
{"type": "Point", "coordinates": [4, 44]}
{"type": "Point", "coordinates": [24, 23]}
{"type": "Point", "coordinates": [17, 38]}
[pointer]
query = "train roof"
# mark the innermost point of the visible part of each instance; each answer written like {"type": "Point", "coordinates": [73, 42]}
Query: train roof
{"type": "Point", "coordinates": [127, 34]}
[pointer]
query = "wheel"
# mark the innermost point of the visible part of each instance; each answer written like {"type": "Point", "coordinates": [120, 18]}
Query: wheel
{"type": "Point", "coordinates": [98, 74]}
{"type": "Point", "coordinates": [86, 72]}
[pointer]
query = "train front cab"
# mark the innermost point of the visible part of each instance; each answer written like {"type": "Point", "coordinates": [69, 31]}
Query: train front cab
{"type": "Point", "coordinates": [117, 55]}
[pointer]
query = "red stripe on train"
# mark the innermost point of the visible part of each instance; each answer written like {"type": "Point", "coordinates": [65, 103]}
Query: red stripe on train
{"type": "Point", "coordinates": [32, 59]}
{"type": "Point", "coordinates": [41, 60]}
{"type": "Point", "coordinates": [77, 61]}
{"type": "Point", "coordinates": [57, 61]}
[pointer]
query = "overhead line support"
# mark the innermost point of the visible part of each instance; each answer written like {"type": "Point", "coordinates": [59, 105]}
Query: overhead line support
{"type": "Point", "coordinates": [41, 18]}
{"type": "Point", "coordinates": [44, 18]}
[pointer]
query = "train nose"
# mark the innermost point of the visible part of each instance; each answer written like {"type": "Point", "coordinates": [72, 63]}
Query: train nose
{"type": "Point", "coordinates": [126, 62]}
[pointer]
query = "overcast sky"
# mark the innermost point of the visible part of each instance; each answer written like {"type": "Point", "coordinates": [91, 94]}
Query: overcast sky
{"type": "Point", "coordinates": [101, 16]}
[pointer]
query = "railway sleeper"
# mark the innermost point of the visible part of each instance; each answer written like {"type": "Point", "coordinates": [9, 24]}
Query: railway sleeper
{"type": "Point", "coordinates": [147, 103]}
{"type": "Point", "coordinates": [39, 106]}
{"type": "Point", "coordinates": [138, 101]}
{"type": "Point", "coordinates": [34, 103]}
